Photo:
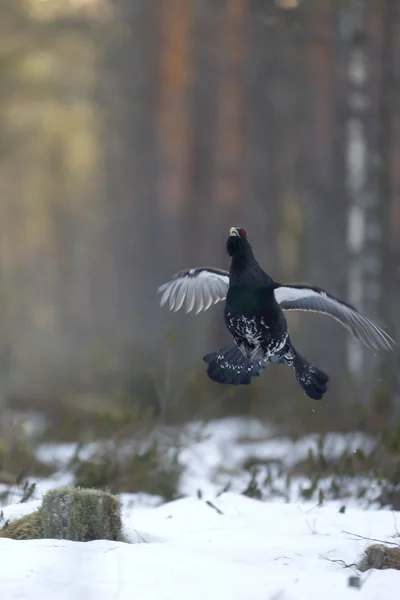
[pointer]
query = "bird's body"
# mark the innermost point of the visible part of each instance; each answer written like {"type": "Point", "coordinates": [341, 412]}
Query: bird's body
{"type": "Point", "coordinates": [255, 319]}
{"type": "Point", "coordinates": [252, 314]}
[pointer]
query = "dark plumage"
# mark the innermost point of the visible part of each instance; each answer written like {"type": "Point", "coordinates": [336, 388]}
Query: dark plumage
{"type": "Point", "coordinates": [254, 317]}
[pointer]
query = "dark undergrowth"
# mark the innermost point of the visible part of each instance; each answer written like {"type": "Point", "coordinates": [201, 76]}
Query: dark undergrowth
{"type": "Point", "coordinates": [370, 476]}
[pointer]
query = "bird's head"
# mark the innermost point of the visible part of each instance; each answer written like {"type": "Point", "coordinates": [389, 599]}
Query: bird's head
{"type": "Point", "coordinates": [237, 241]}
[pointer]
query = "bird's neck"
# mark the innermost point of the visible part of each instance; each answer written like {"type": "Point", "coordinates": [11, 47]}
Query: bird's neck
{"type": "Point", "coordinates": [245, 270]}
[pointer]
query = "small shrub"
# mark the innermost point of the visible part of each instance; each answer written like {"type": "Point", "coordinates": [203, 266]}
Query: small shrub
{"type": "Point", "coordinates": [253, 490]}
{"type": "Point", "coordinates": [155, 469]}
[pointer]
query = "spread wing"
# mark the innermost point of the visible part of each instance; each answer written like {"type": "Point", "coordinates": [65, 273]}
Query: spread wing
{"type": "Point", "coordinates": [197, 288]}
{"type": "Point", "coordinates": [297, 297]}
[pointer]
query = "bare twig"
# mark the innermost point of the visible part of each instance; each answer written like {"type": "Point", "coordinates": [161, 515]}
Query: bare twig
{"type": "Point", "coordinates": [342, 563]}
{"type": "Point", "coordinates": [225, 489]}
{"type": "Point", "coordinates": [214, 507]}
{"type": "Point", "coordinates": [140, 536]}
{"type": "Point", "coordinates": [369, 539]}
{"type": "Point", "coordinates": [312, 528]}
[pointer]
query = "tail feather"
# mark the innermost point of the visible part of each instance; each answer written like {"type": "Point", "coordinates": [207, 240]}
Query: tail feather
{"type": "Point", "coordinates": [230, 366]}
{"type": "Point", "coordinates": [313, 381]}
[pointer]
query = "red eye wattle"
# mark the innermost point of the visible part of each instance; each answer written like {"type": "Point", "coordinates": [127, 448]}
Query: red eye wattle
{"type": "Point", "coordinates": [243, 233]}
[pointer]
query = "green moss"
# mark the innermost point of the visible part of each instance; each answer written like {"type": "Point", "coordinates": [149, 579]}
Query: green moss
{"type": "Point", "coordinates": [25, 528]}
{"type": "Point", "coordinates": [80, 515]}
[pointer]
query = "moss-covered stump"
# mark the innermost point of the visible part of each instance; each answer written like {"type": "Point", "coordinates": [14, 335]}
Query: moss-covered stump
{"type": "Point", "coordinates": [70, 513]}
{"type": "Point", "coordinates": [80, 515]}
{"type": "Point", "coordinates": [28, 527]}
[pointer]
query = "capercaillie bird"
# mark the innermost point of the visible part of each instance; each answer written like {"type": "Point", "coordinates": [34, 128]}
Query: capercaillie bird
{"type": "Point", "coordinates": [254, 316]}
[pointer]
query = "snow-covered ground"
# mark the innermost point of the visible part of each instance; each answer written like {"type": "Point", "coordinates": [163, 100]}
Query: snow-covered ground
{"type": "Point", "coordinates": [236, 549]}
{"type": "Point", "coordinates": [211, 544]}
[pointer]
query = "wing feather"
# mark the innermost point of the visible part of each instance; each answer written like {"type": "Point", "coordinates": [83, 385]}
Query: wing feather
{"type": "Point", "coordinates": [208, 299]}
{"type": "Point", "coordinates": [297, 297]}
{"type": "Point", "coordinates": [195, 289]}
{"type": "Point", "coordinates": [172, 297]}
{"type": "Point", "coordinates": [190, 294]}
{"type": "Point", "coordinates": [199, 300]}
{"type": "Point", "coordinates": [180, 296]}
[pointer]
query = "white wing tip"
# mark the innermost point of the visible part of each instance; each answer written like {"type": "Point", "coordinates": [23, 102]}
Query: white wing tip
{"type": "Point", "coordinates": [162, 287]}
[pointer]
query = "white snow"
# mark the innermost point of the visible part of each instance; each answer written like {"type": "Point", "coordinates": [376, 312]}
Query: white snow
{"type": "Point", "coordinates": [188, 551]}
{"type": "Point", "coordinates": [16, 511]}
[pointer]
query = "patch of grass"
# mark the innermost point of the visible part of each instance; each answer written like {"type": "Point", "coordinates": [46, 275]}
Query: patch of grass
{"type": "Point", "coordinates": [253, 490]}
{"type": "Point", "coordinates": [380, 465]}
{"type": "Point", "coordinates": [28, 527]}
{"type": "Point", "coordinates": [154, 469]}
{"type": "Point", "coordinates": [17, 455]}
{"type": "Point", "coordinates": [18, 461]}
{"type": "Point", "coordinates": [21, 488]}
{"type": "Point", "coordinates": [370, 473]}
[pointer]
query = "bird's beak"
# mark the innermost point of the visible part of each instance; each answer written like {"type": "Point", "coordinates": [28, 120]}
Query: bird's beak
{"type": "Point", "coordinates": [233, 232]}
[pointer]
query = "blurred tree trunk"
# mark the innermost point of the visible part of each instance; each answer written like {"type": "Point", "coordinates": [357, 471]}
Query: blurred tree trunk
{"type": "Point", "coordinates": [128, 94]}
{"type": "Point", "coordinates": [391, 282]}
{"type": "Point", "coordinates": [203, 231]}
{"type": "Point", "coordinates": [261, 132]}
{"type": "Point", "coordinates": [387, 392]}
{"type": "Point", "coordinates": [368, 178]}
{"type": "Point", "coordinates": [174, 124]}
{"type": "Point", "coordinates": [228, 142]}
{"type": "Point", "coordinates": [202, 226]}
{"type": "Point", "coordinates": [6, 311]}
{"type": "Point", "coordinates": [324, 195]}
{"type": "Point", "coordinates": [228, 174]}
{"type": "Point", "coordinates": [363, 166]}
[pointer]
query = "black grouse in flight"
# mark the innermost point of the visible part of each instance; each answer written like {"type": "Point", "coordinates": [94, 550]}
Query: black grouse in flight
{"type": "Point", "coordinates": [254, 316]}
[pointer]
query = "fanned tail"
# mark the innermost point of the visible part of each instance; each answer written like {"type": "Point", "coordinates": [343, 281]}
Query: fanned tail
{"type": "Point", "coordinates": [313, 381]}
{"type": "Point", "coordinates": [229, 365]}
